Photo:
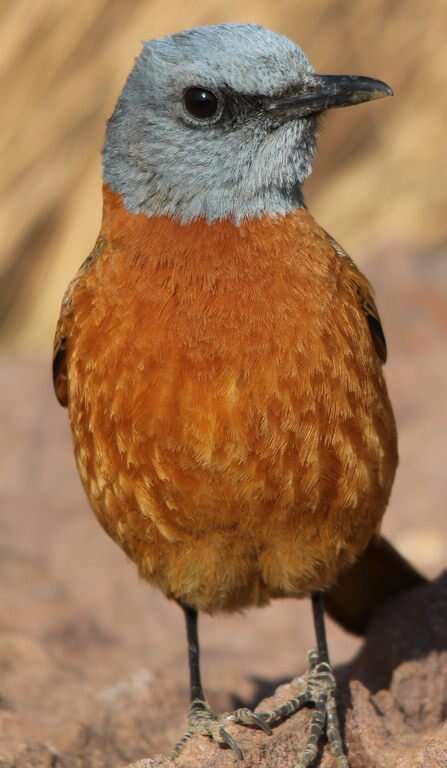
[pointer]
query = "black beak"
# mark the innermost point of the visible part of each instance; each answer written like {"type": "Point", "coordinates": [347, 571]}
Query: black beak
{"type": "Point", "coordinates": [321, 92]}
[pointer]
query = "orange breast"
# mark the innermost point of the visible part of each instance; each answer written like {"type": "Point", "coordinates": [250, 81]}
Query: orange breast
{"type": "Point", "coordinates": [230, 418]}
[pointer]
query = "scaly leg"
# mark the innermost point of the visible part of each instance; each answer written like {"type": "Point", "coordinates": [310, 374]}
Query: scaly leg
{"type": "Point", "coordinates": [320, 694]}
{"type": "Point", "coordinates": [202, 720]}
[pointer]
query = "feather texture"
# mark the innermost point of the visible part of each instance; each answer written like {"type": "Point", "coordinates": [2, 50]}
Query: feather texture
{"type": "Point", "coordinates": [230, 418]}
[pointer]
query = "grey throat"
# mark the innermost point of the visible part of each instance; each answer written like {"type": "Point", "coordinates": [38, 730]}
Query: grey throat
{"type": "Point", "coordinates": [238, 163]}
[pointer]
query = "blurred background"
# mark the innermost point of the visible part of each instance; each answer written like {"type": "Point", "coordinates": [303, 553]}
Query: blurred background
{"type": "Point", "coordinates": [379, 186]}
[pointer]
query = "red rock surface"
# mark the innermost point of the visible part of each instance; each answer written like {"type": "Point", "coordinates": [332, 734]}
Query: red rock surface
{"type": "Point", "coordinates": [93, 662]}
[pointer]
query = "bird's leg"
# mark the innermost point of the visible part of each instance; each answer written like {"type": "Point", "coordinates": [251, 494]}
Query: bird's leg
{"type": "Point", "coordinates": [319, 694]}
{"type": "Point", "coordinates": [202, 720]}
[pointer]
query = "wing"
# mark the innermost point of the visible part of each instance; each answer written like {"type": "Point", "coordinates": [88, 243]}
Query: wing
{"type": "Point", "coordinates": [60, 381]}
{"type": "Point", "coordinates": [366, 300]}
{"type": "Point", "coordinates": [63, 328]}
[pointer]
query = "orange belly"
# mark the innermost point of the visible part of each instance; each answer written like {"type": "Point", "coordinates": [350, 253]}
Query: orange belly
{"type": "Point", "coordinates": [230, 418]}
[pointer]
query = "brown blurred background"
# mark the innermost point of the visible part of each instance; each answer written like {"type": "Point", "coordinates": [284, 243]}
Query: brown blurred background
{"type": "Point", "coordinates": [379, 186]}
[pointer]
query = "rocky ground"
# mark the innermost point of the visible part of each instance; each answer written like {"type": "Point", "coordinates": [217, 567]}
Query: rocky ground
{"type": "Point", "coordinates": [93, 662]}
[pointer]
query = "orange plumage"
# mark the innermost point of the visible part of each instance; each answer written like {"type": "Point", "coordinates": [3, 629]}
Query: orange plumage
{"type": "Point", "coordinates": [230, 418]}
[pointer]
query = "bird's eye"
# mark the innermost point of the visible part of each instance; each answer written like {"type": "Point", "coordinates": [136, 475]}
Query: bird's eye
{"type": "Point", "coordinates": [200, 102]}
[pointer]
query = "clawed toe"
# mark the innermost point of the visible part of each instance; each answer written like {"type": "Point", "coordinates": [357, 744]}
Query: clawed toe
{"type": "Point", "coordinates": [245, 716]}
{"type": "Point", "coordinates": [227, 739]}
{"type": "Point", "coordinates": [203, 721]}
{"type": "Point", "coordinates": [320, 695]}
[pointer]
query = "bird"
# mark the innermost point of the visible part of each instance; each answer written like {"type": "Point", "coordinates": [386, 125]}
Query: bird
{"type": "Point", "coordinates": [221, 357]}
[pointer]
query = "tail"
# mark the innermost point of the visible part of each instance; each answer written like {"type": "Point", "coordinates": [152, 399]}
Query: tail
{"type": "Point", "coordinates": [380, 573]}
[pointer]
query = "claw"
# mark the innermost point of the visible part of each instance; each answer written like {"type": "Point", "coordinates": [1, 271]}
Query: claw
{"type": "Point", "coordinates": [261, 723]}
{"type": "Point", "coordinates": [245, 716]}
{"type": "Point", "coordinates": [230, 742]}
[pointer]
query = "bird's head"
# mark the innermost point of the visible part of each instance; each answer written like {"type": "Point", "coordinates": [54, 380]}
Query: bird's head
{"type": "Point", "coordinates": [220, 122]}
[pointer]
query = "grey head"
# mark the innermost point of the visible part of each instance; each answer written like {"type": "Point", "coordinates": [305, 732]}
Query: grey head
{"type": "Point", "coordinates": [220, 122]}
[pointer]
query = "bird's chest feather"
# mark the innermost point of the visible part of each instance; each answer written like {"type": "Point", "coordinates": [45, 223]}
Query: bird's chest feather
{"type": "Point", "coordinates": [223, 378]}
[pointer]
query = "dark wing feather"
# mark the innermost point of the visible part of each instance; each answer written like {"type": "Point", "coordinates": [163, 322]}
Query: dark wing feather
{"type": "Point", "coordinates": [63, 328]}
{"type": "Point", "coordinates": [60, 381]}
{"type": "Point", "coordinates": [366, 301]}
{"type": "Point", "coordinates": [375, 327]}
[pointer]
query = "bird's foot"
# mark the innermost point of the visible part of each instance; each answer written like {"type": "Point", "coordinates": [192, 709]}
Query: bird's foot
{"type": "Point", "coordinates": [203, 721]}
{"type": "Point", "coordinates": [320, 695]}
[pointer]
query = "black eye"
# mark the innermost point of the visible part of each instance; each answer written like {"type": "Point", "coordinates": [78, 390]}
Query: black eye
{"type": "Point", "coordinates": [200, 103]}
